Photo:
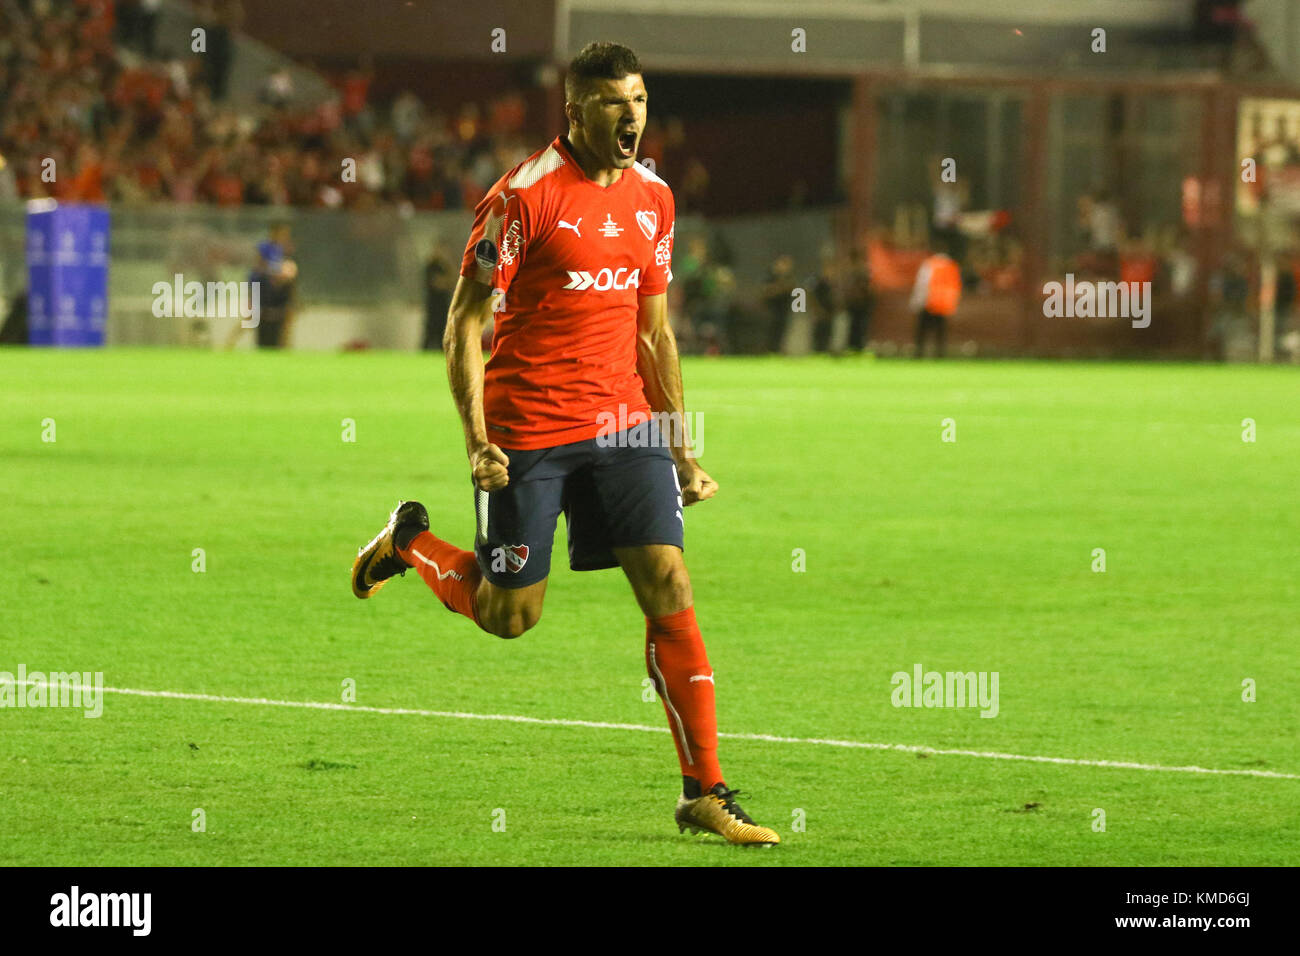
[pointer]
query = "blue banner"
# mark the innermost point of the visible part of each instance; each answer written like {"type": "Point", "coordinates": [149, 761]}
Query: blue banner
{"type": "Point", "coordinates": [67, 274]}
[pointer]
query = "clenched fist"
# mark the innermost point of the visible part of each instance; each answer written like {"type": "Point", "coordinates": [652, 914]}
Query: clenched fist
{"type": "Point", "coordinates": [696, 484]}
{"type": "Point", "coordinates": [488, 465]}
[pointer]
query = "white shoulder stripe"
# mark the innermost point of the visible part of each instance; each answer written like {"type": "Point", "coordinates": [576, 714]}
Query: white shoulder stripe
{"type": "Point", "coordinates": [548, 162]}
{"type": "Point", "coordinates": [645, 171]}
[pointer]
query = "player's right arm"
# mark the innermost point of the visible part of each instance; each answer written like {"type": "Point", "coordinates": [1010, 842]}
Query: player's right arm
{"type": "Point", "coordinates": [471, 307]}
{"type": "Point", "coordinates": [493, 255]}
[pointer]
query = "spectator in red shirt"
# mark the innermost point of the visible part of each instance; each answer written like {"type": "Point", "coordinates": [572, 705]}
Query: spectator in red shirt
{"type": "Point", "coordinates": [88, 183]}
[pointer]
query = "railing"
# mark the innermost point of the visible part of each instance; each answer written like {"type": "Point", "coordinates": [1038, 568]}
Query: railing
{"type": "Point", "coordinates": [361, 274]}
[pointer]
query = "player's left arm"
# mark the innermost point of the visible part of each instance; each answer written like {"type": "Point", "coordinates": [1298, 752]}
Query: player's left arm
{"type": "Point", "coordinates": [661, 373]}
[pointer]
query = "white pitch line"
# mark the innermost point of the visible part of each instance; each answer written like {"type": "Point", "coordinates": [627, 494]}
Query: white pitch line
{"type": "Point", "coordinates": [605, 725]}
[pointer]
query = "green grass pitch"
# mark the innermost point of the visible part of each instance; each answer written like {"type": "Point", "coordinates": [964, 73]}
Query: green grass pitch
{"type": "Point", "coordinates": [967, 555]}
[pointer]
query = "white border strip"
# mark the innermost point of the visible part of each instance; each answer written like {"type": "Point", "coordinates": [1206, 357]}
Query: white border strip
{"type": "Point", "coordinates": [668, 701]}
{"type": "Point", "coordinates": [605, 725]}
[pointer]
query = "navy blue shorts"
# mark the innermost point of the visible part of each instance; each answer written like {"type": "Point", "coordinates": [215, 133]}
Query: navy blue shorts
{"type": "Point", "coordinates": [622, 493]}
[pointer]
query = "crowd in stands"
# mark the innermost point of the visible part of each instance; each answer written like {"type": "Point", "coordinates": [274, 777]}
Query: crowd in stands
{"type": "Point", "coordinates": [86, 85]}
{"type": "Point", "coordinates": [94, 109]}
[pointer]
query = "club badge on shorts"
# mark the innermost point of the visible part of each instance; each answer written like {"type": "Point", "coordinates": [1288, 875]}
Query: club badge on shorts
{"type": "Point", "coordinates": [516, 556]}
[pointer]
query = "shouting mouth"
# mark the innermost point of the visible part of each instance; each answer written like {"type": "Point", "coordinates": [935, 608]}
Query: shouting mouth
{"type": "Point", "coordinates": [627, 143]}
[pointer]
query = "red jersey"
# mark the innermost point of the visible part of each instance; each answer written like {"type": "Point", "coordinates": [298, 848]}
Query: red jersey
{"type": "Point", "coordinates": [573, 258]}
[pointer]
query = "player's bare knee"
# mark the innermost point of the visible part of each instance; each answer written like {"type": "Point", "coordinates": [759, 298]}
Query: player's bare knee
{"type": "Point", "coordinates": [504, 625]}
{"type": "Point", "coordinates": [511, 622]}
{"type": "Point", "coordinates": [510, 628]}
{"type": "Point", "coordinates": [525, 620]}
{"type": "Point", "coordinates": [672, 589]}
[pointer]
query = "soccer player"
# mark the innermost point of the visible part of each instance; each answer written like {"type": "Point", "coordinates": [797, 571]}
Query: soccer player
{"type": "Point", "coordinates": [570, 254]}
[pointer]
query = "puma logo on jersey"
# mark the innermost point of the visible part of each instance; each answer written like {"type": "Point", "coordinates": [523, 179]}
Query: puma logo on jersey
{"type": "Point", "coordinates": [604, 280]}
{"type": "Point", "coordinates": [574, 226]}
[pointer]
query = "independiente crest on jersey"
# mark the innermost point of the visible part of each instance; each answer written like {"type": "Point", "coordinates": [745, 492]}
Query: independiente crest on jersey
{"type": "Point", "coordinates": [648, 220]}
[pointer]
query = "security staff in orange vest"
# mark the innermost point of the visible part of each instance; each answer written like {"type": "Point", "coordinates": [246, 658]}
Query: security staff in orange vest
{"type": "Point", "coordinates": [934, 298]}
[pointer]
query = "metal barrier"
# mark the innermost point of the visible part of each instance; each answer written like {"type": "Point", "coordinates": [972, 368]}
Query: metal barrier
{"type": "Point", "coordinates": [361, 274]}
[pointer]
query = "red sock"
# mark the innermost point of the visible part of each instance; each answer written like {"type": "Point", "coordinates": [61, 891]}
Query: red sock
{"type": "Point", "coordinates": [676, 662]}
{"type": "Point", "coordinates": [453, 574]}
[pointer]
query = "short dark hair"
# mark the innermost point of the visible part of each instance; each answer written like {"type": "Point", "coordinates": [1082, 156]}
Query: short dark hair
{"type": "Point", "coordinates": [599, 61]}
